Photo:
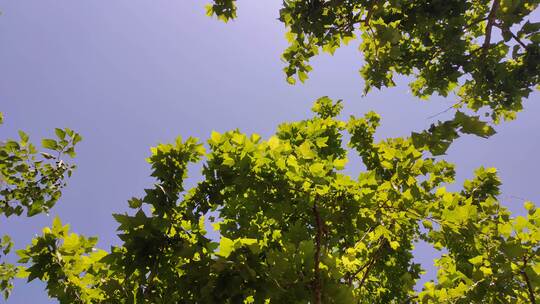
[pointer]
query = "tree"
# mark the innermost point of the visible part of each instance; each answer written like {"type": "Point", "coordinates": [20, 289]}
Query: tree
{"type": "Point", "coordinates": [295, 229]}
{"type": "Point", "coordinates": [446, 47]}
{"type": "Point", "coordinates": [31, 182]}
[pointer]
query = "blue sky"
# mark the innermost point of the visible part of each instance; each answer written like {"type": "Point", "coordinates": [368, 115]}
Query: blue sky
{"type": "Point", "coordinates": [128, 74]}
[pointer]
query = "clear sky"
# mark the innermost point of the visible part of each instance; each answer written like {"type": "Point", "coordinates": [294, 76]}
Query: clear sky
{"type": "Point", "coordinates": [128, 74]}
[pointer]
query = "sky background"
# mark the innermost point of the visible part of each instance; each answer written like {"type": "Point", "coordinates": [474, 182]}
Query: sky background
{"type": "Point", "coordinates": [129, 74]}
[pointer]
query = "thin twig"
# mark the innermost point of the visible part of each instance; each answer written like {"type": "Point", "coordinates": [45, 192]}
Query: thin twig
{"type": "Point", "coordinates": [409, 299]}
{"type": "Point", "coordinates": [514, 197]}
{"type": "Point", "coordinates": [466, 26]}
{"type": "Point", "coordinates": [446, 110]}
{"type": "Point", "coordinates": [440, 113]}
{"type": "Point", "coordinates": [507, 30]}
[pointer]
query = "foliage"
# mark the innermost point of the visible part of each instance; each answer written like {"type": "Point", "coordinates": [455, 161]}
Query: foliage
{"type": "Point", "coordinates": [31, 181]}
{"type": "Point", "coordinates": [74, 255]}
{"type": "Point", "coordinates": [439, 42]}
{"type": "Point", "coordinates": [7, 270]}
{"type": "Point", "coordinates": [292, 226]}
{"type": "Point", "coordinates": [446, 47]}
{"type": "Point", "coordinates": [295, 229]}
{"type": "Point", "coordinates": [439, 136]}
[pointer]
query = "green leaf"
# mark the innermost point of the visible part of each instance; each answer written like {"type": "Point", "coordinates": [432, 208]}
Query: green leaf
{"type": "Point", "coordinates": [215, 137]}
{"type": "Point", "coordinates": [273, 142]}
{"type": "Point", "coordinates": [135, 203]}
{"type": "Point", "coordinates": [226, 247]}
{"type": "Point", "coordinates": [227, 161]}
{"type": "Point", "coordinates": [473, 125]}
{"type": "Point", "coordinates": [321, 142]}
{"type": "Point", "coordinates": [478, 260]}
{"type": "Point", "coordinates": [317, 169]}
{"type": "Point", "coordinates": [339, 164]}
{"type": "Point", "coordinates": [60, 133]}
{"type": "Point", "coordinates": [71, 242]}
{"type": "Point", "coordinates": [57, 227]}
{"type": "Point", "coordinates": [50, 144]}
{"type": "Point", "coordinates": [24, 138]}
{"type": "Point", "coordinates": [305, 151]}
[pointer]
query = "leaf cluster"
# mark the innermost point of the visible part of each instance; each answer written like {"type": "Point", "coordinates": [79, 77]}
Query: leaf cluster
{"type": "Point", "coordinates": [445, 47]}
{"type": "Point", "coordinates": [31, 181]}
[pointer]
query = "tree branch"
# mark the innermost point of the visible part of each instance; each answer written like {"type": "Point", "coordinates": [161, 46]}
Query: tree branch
{"type": "Point", "coordinates": [364, 277]}
{"type": "Point", "coordinates": [369, 265]}
{"type": "Point", "coordinates": [317, 294]}
{"type": "Point", "coordinates": [370, 12]}
{"type": "Point", "coordinates": [490, 23]}
{"type": "Point", "coordinates": [529, 286]}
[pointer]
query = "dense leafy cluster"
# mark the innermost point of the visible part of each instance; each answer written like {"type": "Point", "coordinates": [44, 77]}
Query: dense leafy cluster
{"type": "Point", "coordinates": [31, 182]}
{"type": "Point", "coordinates": [295, 229]}
{"type": "Point", "coordinates": [447, 47]}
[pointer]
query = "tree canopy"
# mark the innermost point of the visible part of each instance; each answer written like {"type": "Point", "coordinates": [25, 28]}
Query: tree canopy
{"type": "Point", "coordinates": [486, 53]}
{"type": "Point", "coordinates": [295, 229]}
{"type": "Point", "coordinates": [291, 225]}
